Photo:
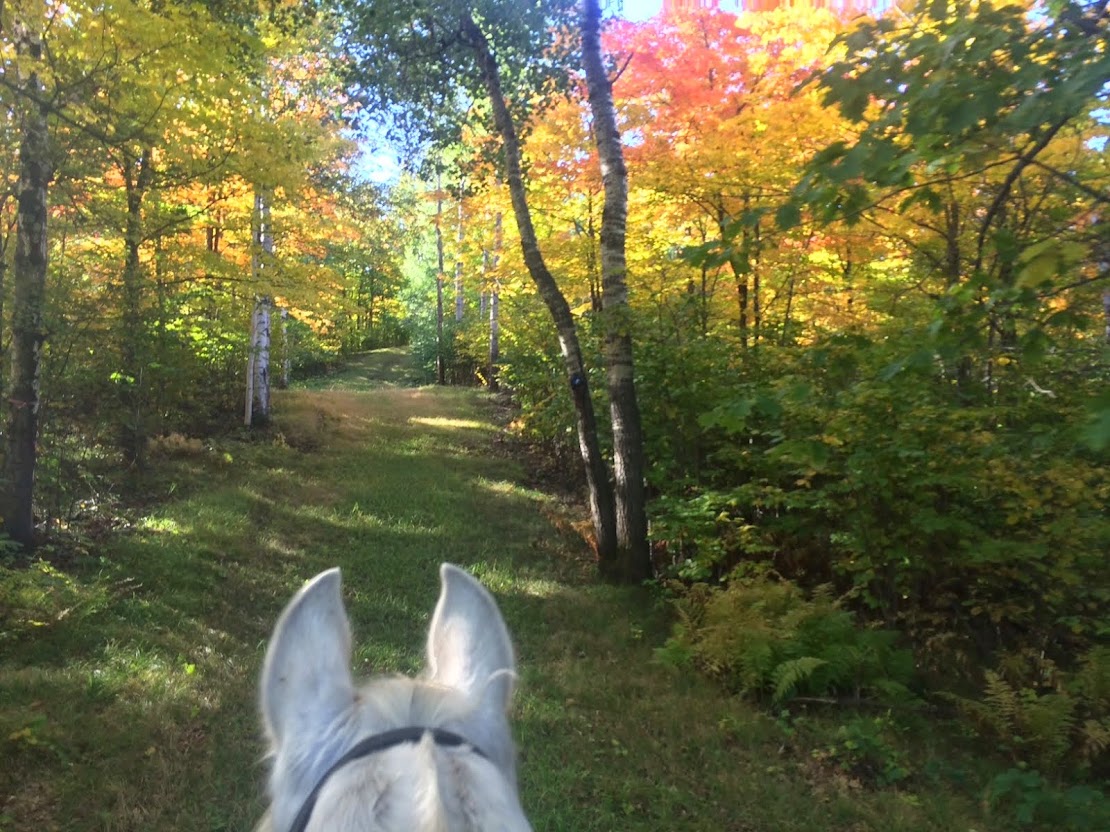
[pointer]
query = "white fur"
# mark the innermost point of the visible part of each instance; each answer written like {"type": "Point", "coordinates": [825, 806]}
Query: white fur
{"type": "Point", "coordinates": [313, 714]}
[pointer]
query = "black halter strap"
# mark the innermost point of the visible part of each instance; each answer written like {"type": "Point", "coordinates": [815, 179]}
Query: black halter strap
{"type": "Point", "coordinates": [372, 745]}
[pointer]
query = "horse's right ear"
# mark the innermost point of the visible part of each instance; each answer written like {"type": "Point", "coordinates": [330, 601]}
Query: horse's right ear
{"type": "Point", "coordinates": [468, 642]}
{"type": "Point", "coordinates": [306, 680]}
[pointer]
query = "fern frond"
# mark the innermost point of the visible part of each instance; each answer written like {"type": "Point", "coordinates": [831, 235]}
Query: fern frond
{"type": "Point", "coordinates": [1047, 722]}
{"type": "Point", "coordinates": [1094, 738]}
{"type": "Point", "coordinates": [788, 675]}
{"type": "Point", "coordinates": [1092, 682]}
{"type": "Point", "coordinates": [1003, 702]}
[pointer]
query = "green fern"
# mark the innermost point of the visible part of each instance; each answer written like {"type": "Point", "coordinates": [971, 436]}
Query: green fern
{"type": "Point", "coordinates": [1037, 727]}
{"type": "Point", "coordinates": [1094, 738]}
{"type": "Point", "coordinates": [1047, 722]}
{"type": "Point", "coordinates": [1002, 704]}
{"type": "Point", "coordinates": [765, 637]}
{"type": "Point", "coordinates": [788, 675]}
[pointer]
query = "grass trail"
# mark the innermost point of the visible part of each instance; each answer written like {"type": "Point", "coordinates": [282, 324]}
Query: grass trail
{"type": "Point", "coordinates": [127, 679]}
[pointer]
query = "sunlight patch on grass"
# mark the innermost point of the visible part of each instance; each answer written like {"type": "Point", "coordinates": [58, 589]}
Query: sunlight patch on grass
{"type": "Point", "coordinates": [452, 424]}
{"type": "Point", "coordinates": [507, 488]}
{"type": "Point", "coordinates": [162, 525]}
{"type": "Point", "coordinates": [500, 578]}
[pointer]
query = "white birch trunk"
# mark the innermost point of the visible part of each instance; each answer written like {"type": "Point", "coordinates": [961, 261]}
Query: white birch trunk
{"type": "Point", "coordinates": [262, 358]}
{"type": "Point", "coordinates": [258, 358]}
{"type": "Point", "coordinates": [632, 562]}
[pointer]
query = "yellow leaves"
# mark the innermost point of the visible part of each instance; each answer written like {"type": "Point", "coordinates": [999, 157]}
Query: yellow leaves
{"type": "Point", "coordinates": [1042, 262]}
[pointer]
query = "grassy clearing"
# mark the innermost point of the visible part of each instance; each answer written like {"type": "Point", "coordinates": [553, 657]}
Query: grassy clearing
{"type": "Point", "coordinates": [127, 681]}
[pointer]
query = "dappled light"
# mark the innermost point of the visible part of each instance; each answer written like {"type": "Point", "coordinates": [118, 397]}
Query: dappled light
{"type": "Point", "coordinates": [452, 424]}
{"type": "Point", "coordinates": [753, 355]}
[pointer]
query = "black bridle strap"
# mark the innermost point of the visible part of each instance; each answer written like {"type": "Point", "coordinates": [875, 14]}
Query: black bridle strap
{"type": "Point", "coordinates": [372, 745]}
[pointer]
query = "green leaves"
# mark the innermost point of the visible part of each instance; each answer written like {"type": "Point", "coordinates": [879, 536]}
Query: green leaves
{"type": "Point", "coordinates": [952, 86]}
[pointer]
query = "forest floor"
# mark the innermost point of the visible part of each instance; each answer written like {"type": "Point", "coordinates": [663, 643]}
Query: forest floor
{"type": "Point", "coordinates": [128, 669]}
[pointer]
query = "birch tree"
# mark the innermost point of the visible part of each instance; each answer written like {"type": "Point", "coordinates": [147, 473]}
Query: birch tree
{"type": "Point", "coordinates": [633, 561]}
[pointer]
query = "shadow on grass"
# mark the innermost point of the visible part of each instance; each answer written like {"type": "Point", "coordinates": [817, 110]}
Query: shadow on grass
{"type": "Point", "coordinates": [389, 367]}
{"type": "Point", "coordinates": [127, 686]}
{"type": "Point", "coordinates": [132, 705]}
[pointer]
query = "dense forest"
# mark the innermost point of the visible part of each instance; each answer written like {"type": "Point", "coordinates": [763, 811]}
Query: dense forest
{"type": "Point", "coordinates": [812, 301]}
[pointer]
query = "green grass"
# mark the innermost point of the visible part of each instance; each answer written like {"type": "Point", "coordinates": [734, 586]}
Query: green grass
{"type": "Point", "coordinates": [127, 681]}
{"type": "Point", "coordinates": [389, 367]}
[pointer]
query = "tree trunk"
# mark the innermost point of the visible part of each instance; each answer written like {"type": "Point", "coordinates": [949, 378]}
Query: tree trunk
{"type": "Point", "coordinates": [261, 351]}
{"type": "Point", "coordinates": [133, 363]}
{"type": "Point", "coordinates": [261, 346]}
{"type": "Point", "coordinates": [593, 267]}
{"type": "Point", "coordinates": [286, 360]}
{"type": "Point", "coordinates": [248, 412]}
{"type": "Point", "coordinates": [633, 557]}
{"type": "Point", "coordinates": [494, 307]}
{"type": "Point", "coordinates": [258, 353]}
{"type": "Point", "coordinates": [757, 307]}
{"type": "Point", "coordinates": [458, 262]}
{"type": "Point", "coordinates": [28, 298]}
{"type": "Point", "coordinates": [3, 290]}
{"type": "Point", "coordinates": [597, 476]}
{"type": "Point", "coordinates": [739, 272]}
{"type": "Point", "coordinates": [441, 369]}
{"type": "Point", "coordinates": [1106, 313]}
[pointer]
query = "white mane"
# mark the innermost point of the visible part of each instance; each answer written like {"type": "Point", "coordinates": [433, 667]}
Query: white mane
{"type": "Point", "coordinates": [314, 714]}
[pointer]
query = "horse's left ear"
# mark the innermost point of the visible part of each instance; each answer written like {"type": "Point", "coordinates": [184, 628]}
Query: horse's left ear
{"type": "Point", "coordinates": [468, 642]}
{"type": "Point", "coordinates": [306, 681]}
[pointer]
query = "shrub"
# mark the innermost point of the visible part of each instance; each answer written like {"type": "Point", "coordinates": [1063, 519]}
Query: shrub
{"type": "Point", "coordinates": [861, 749]}
{"type": "Point", "coordinates": [766, 638]}
{"type": "Point", "coordinates": [1033, 801]}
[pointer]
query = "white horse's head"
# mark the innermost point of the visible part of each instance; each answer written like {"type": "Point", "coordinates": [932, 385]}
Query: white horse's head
{"type": "Point", "coordinates": [396, 754]}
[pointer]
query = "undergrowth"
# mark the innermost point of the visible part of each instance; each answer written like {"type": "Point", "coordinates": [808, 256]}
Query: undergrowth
{"type": "Point", "coordinates": [769, 639]}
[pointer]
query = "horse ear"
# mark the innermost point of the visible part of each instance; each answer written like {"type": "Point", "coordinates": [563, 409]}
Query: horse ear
{"type": "Point", "coordinates": [468, 642]}
{"type": "Point", "coordinates": [306, 680]}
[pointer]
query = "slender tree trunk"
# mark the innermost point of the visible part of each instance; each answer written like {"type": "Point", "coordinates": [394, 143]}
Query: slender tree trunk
{"type": "Point", "coordinates": [286, 360]}
{"type": "Point", "coordinates": [633, 558]}
{"type": "Point", "coordinates": [441, 369]}
{"type": "Point", "coordinates": [757, 300]}
{"type": "Point", "coordinates": [789, 309]}
{"type": "Point", "coordinates": [248, 412]}
{"type": "Point", "coordinates": [28, 295]}
{"type": "Point", "coordinates": [494, 338]}
{"type": "Point", "coordinates": [593, 267]}
{"type": "Point", "coordinates": [3, 292]}
{"type": "Point", "coordinates": [740, 275]}
{"type": "Point", "coordinates": [1106, 313]}
{"type": "Point", "coordinates": [257, 408]}
{"type": "Point", "coordinates": [597, 476]}
{"type": "Point", "coordinates": [261, 350]}
{"type": "Point", "coordinates": [458, 261]}
{"type": "Point", "coordinates": [494, 307]}
{"type": "Point", "coordinates": [136, 176]}
{"type": "Point", "coordinates": [263, 304]}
